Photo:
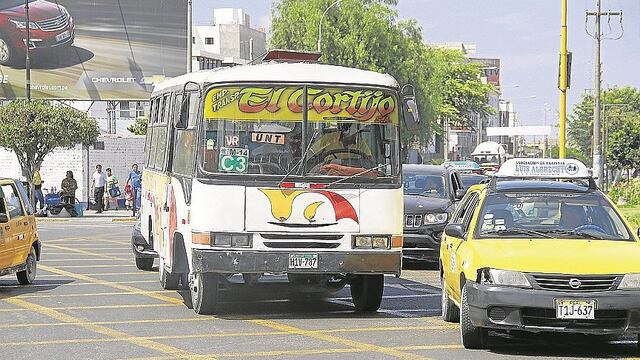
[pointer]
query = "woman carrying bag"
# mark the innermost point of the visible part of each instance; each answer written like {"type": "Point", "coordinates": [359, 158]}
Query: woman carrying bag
{"type": "Point", "coordinates": [112, 191]}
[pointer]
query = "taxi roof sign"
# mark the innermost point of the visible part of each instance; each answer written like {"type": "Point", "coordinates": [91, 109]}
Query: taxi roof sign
{"type": "Point", "coordinates": [543, 169]}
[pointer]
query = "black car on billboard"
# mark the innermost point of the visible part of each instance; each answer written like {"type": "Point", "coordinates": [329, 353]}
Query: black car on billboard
{"type": "Point", "coordinates": [430, 196]}
{"type": "Point", "coordinates": [51, 26]}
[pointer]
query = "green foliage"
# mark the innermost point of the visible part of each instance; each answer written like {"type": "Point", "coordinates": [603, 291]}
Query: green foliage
{"type": "Point", "coordinates": [628, 191]}
{"type": "Point", "coordinates": [366, 34]}
{"type": "Point", "coordinates": [619, 105]}
{"type": "Point", "coordinates": [140, 126]}
{"type": "Point", "coordinates": [632, 214]}
{"type": "Point", "coordinates": [34, 129]}
{"type": "Point", "coordinates": [623, 147]}
{"type": "Point", "coordinates": [572, 153]}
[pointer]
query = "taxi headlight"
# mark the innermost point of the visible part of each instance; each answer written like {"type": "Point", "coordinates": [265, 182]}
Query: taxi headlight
{"type": "Point", "coordinates": [630, 282]}
{"type": "Point", "coordinates": [433, 219]}
{"type": "Point", "coordinates": [504, 278]}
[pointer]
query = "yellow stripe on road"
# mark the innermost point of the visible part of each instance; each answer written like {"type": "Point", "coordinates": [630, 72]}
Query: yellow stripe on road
{"type": "Point", "coordinates": [123, 322]}
{"type": "Point", "coordinates": [125, 293]}
{"type": "Point", "coordinates": [114, 334]}
{"type": "Point", "coordinates": [336, 340]}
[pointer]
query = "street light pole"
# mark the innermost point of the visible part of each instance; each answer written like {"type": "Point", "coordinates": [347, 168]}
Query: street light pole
{"type": "Point", "coordinates": [320, 25]}
{"type": "Point", "coordinates": [27, 64]}
{"type": "Point", "coordinates": [563, 82]}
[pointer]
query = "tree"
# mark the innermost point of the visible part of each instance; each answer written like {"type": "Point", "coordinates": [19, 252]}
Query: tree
{"type": "Point", "coordinates": [366, 34]}
{"type": "Point", "coordinates": [572, 153]}
{"type": "Point", "coordinates": [34, 129]}
{"type": "Point", "coordinates": [140, 126]}
{"type": "Point", "coordinates": [616, 104]}
{"type": "Point", "coordinates": [623, 147]}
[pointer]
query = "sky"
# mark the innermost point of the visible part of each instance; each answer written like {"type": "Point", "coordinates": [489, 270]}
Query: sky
{"type": "Point", "coordinates": [524, 34]}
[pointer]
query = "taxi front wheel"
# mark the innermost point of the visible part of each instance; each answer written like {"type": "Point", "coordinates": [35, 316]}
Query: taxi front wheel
{"type": "Point", "coordinates": [450, 311]}
{"type": "Point", "coordinates": [366, 292]}
{"type": "Point", "coordinates": [28, 275]}
{"type": "Point", "coordinates": [472, 337]}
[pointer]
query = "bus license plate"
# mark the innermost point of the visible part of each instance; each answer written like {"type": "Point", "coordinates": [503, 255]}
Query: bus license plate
{"type": "Point", "coordinates": [303, 261]}
{"type": "Point", "coordinates": [576, 309]}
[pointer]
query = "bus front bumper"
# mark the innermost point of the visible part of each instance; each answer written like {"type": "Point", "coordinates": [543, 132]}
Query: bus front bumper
{"type": "Point", "coordinates": [241, 261]}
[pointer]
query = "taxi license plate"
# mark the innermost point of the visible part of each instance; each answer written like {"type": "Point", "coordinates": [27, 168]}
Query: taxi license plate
{"type": "Point", "coordinates": [576, 309]}
{"type": "Point", "coordinates": [303, 261]}
{"type": "Point", "coordinates": [63, 36]}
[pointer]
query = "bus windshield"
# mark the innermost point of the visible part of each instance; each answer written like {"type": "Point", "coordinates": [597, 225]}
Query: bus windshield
{"type": "Point", "coordinates": [263, 131]}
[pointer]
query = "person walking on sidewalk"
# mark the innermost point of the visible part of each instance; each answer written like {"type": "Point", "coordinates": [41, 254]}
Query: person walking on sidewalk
{"type": "Point", "coordinates": [112, 191]}
{"type": "Point", "coordinates": [135, 180]}
{"type": "Point", "coordinates": [69, 186]}
{"type": "Point", "coordinates": [98, 183]}
{"type": "Point", "coordinates": [37, 186]}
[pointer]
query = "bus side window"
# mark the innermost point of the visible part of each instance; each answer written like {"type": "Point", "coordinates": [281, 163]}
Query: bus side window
{"type": "Point", "coordinates": [193, 109]}
{"type": "Point", "coordinates": [150, 151]}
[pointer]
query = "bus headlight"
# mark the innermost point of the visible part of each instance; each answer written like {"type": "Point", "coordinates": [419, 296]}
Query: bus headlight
{"type": "Point", "coordinates": [222, 240]}
{"type": "Point", "coordinates": [371, 242]}
{"type": "Point", "coordinates": [504, 278]}
{"type": "Point", "coordinates": [630, 282]}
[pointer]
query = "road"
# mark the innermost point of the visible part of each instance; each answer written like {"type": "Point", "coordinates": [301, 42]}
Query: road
{"type": "Point", "coordinates": [90, 302]}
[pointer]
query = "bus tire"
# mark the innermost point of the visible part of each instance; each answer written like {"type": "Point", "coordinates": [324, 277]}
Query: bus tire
{"type": "Point", "coordinates": [366, 292]}
{"type": "Point", "coordinates": [145, 264]}
{"type": "Point", "coordinates": [204, 292]}
{"type": "Point", "coordinates": [472, 337]}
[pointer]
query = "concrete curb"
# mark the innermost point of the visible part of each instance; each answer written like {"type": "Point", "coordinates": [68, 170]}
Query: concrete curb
{"type": "Point", "coordinates": [129, 219]}
{"type": "Point", "coordinates": [51, 220]}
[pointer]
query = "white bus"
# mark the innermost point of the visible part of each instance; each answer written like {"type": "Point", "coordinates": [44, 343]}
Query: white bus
{"type": "Point", "coordinates": [279, 168]}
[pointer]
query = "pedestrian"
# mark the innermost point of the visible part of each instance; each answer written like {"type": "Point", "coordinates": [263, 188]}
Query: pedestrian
{"type": "Point", "coordinates": [69, 187]}
{"type": "Point", "coordinates": [37, 186]}
{"type": "Point", "coordinates": [135, 180]}
{"type": "Point", "coordinates": [112, 191]}
{"type": "Point", "coordinates": [98, 183]}
{"type": "Point", "coordinates": [128, 196]}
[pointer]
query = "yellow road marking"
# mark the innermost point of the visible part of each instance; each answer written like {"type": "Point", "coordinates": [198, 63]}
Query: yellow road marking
{"type": "Point", "coordinates": [102, 307]}
{"type": "Point", "coordinates": [336, 340]}
{"type": "Point", "coordinates": [79, 251]}
{"type": "Point", "coordinates": [160, 297]}
{"type": "Point", "coordinates": [102, 274]}
{"type": "Point", "coordinates": [123, 322]}
{"type": "Point", "coordinates": [96, 266]}
{"type": "Point", "coordinates": [125, 293]}
{"type": "Point", "coordinates": [83, 259]}
{"type": "Point", "coordinates": [117, 335]}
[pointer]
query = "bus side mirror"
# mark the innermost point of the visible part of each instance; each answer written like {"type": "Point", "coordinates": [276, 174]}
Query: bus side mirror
{"type": "Point", "coordinates": [410, 107]}
{"type": "Point", "coordinates": [183, 119]}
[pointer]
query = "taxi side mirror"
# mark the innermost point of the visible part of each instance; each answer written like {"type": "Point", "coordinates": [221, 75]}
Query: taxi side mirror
{"type": "Point", "coordinates": [454, 230]}
{"type": "Point", "coordinates": [460, 194]}
{"type": "Point", "coordinates": [4, 218]}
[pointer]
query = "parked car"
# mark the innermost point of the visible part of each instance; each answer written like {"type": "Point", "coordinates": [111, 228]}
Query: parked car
{"type": "Point", "coordinates": [51, 26]}
{"type": "Point", "coordinates": [142, 250]}
{"type": "Point", "coordinates": [468, 180]}
{"type": "Point", "coordinates": [19, 243]}
{"type": "Point", "coordinates": [430, 195]}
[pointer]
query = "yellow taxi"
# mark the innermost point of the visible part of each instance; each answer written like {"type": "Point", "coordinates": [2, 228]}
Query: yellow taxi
{"type": "Point", "coordinates": [19, 243]}
{"type": "Point", "coordinates": [539, 248]}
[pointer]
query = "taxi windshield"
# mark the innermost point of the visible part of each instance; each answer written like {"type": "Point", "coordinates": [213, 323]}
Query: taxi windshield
{"type": "Point", "coordinates": [550, 215]}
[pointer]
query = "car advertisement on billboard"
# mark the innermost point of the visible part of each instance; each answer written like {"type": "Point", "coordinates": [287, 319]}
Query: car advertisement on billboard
{"type": "Point", "coordinates": [91, 49]}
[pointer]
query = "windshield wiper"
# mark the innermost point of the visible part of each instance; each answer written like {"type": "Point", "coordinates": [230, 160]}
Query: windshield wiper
{"type": "Point", "coordinates": [517, 231]}
{"type": "Point", "coordinates": [302, 159]}
{"type": "Point", "coordinates": [576, 233]}
{"type": "Point", "coordinates": [355, 175]}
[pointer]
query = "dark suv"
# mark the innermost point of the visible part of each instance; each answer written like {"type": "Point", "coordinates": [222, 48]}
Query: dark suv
{"type": "Point", "coordinates": [430, 195]}
{"type": "Point", "coordinates": [51, 27]}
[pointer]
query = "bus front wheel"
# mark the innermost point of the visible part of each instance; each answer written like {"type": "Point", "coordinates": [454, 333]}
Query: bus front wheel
{"type": "Point", "coordinates": [366, 292]}
{"type": "Point", "coordinates": [204, 292]}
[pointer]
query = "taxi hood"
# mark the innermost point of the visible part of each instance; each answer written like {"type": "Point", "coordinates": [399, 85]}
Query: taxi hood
{"type": "Point", "coordinates": [565, 256]}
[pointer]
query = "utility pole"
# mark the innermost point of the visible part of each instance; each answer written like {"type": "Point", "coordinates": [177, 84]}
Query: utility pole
{"type": "Point", "coordinates": [598, 164]}
{"type": "Point", "coordinates": [563, 85]}
{"type": "Point", "coordinates": [189, 36]}
{"type": "Point", "coordinates": [27, 61]}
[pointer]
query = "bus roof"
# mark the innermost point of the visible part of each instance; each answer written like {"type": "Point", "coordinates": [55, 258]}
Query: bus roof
{"type": "Point", "coordinates": [284, 72]}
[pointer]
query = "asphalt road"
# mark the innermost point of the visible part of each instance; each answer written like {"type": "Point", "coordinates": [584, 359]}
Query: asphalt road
{"type": "Point", "coordinates": [90, 302]}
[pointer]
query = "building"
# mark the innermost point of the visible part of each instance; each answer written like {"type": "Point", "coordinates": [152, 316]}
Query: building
{"type": "Point", "coordinates": [229, 40]}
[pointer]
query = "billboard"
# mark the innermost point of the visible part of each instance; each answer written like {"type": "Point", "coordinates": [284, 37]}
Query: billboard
{"type": "Point", "coordinates": [91, 49]}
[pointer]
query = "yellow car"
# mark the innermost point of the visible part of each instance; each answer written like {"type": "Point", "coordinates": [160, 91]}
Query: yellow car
{"type": "Point", "coordinates": [19, 244]}
{"type": "Point", "coordinates": [539, 248]}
